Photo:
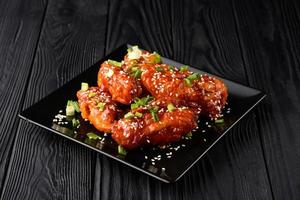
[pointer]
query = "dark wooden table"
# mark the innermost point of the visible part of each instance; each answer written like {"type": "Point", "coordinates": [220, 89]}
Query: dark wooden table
{"type": "Point", "coordinates": [44, 43]}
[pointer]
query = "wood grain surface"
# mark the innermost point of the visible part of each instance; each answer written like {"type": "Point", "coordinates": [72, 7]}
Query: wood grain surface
{"type": "Point", "coordinates": [45, 43]}
{"type": "Point", "coordinates": [46, 166]}
{"type": "Point", "coordinates": [20, 24]}
{"type": "Point", "coordinates": [270, 45]}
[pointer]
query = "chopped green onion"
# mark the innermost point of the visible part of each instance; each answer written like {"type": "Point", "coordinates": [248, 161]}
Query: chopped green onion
{"type": "Point", "coordinates": [134, 68]}
{"type": "Point", "coordinates": [157, 58]}
{"type": "Point", "coordinates": [187, 82]}
{"type": "Point", "coordinates": [70, 110]}
{"type": "Point", "coordinates": [159, 69]}
{"type": "Point", "coordinates": [114, 63]}
{"type": "Point", "coordinates": [172, 68]}
{"type": "Point", "coordinates": [184, 68]}
{"type": "Point", "coordinates": [121, 150]}
{"type": "Point", "coordinates": [153, 112]}
{"type": "Point", "coordinates": [134, 53]}
{"type": "Point", "coordinates": [138, 114]}
{"type": "Point", "coordinates": [129, 50]}
{"type": "Point", "coordinates": [137, 74]}
{"type": "Point", "coordinates": [141, 102]}
{"type": "Point", "coordinates": [193, 76]}
{"type": "Point", "coordinates": [75, 122]}
{"type": "Point", "coordinates": [92, 94]}
{"type": "Point", "coordinates": [129, 115]}
{"type": "Point", "coordinates": [93, 136]}
{"type": "Point", "coordinates": [189, 135]}
{"type": "Point", "coordinates": [101, 106]}
{"type": "Point", "coordinates": [84, 86]}
{"type": "Point", "coordinates": [76, 106]}
{"type": "Point", "coordinates": [219, 121]}
{"type": "Point", "coordinates": [134, 106]}
{"type": "Point", "coordinates": [170, 107]}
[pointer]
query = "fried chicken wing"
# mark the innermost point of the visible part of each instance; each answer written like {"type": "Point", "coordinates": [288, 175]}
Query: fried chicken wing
{"type": "Point", "coordinates": [161, 127]}
{"type": "Point", "coordinates": [136, 56]}
{"type": "Point", "coordinates": [122, 86]}
{"type": "Point", "coordinates": [97, 107]}
{"type": "Point", "coordinates": [183, 87]}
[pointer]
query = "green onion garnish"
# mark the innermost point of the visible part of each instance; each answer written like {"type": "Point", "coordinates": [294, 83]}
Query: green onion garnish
{"type": "Point", "coordinates": [137, 74]}
{"type": "Point", "coordinates": [93, 136]}
{"type": "Point", "coordinates": [75, 122]}
{"type": "Point", "coordinates": [70, 110]}
{"type": "Point", "coordinates": [134, 106]}
{"type": "Point", "coordinates": [84, 86]}
{"type": "Point", "coordinates": [193, 76]}
{"type": "Point", "coordinates": [153, 112]}
{"type": "Point", "coordinates": [76, 106]}
{"type": "Point", "coordinates": [122, 151]}
{"type": "Point", "coordinates": [138, 114]}
{"type": "Point", "coordinates": [189, 135]}
{"type": "Point", "coordinates": [157, 58]}
{"type": "Point", "coordinates": [114, 63]}
{"type": "Point", "coordinates": [129, 50]}
{"type": "Point", "coordinates": [219, 121]}
{"type": "Point", "coordinates": [141, 102]}
{"type": "Point", "coordinates": [92, 94]}
{"type": "Point", "coordinates": [184, 68]}
{"type": "Point", "coordinates": [170, 107]}
{"type": "Point", "coordinates": [159, 69]}
{"type": "Point", "coordinates": [129, 115]}
{"type": "Point", "coordinates": [172, 68]}
{"type": "Point", "coordinates": [101, 106]}
{"type": "Point", "coordinates": [187, 82]}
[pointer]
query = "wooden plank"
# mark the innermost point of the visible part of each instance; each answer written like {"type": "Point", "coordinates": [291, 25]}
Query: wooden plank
{"type": "Point", "coordinates": [271, 47]}
{"type": "Point", "coordinates": [20, 24]}
{"type": "Point", "coordinates": [46, 166]}
{"type": "Point", "coordinates": [201, 34]}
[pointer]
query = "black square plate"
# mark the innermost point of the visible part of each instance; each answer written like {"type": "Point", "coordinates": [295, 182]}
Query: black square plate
{"type": "Point", "coordinates": [166, 164]}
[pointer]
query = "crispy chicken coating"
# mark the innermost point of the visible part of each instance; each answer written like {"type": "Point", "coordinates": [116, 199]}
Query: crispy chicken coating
{"type": "Point", "coordinates": [154, 126]}
{"type": "Point", "coordinates": [122, 86]}
{"type": "Point", "coordinates": [97, 107]}
{"type": "Point", "coordinates": [183, 87]}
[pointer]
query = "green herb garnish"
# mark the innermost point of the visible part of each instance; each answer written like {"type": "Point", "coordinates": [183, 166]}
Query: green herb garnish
{"type": "Point", "coordinates": [93, 136]}
{"type": "Point", "coordinates": [121, 150]}
{"type": "Point", "coordinates": [170, 107]}
{"type": "Point", "coordinates": [219, 121]}
{"type": "Point", "coordinates": [70, 110]}
{"type": "Point", "coordinates": [75, 122]}
{"type": "Point", "coordinates": [92, 94]}
{"type": "Point", "coordinates": [76, 106]}
{"type": "Point", "coordinates": [172, 68]}
{"type": "Point", "coordinates": [159, 69]}
{"type": "Point", "coordinates": [137, 74]}
{"type": "Point", "coordinates": [141, 102]}
{"type": "Point", "coordinates": [157, 58]}
{"type": "Point", "coordinates": [84, 86]}
{"type": "Point", "coordinates": [114, 63]}
{"type": "Point", "coordinates": [193, 76]}
{"type": "Point", "coordinates": [189, 135]}
{"type": "Point", "coordinates": [184, 68]}
{"type": "Point", "coordinates": [129, 115]}
{"type": "Point", "coordinates": [138, 114]}
{"type": "Point", "coordinates": [187, 82]}
{"type": "Point", "coordinates": [101, 106]}
{"type": "Point", "coordinates": [153, 112]}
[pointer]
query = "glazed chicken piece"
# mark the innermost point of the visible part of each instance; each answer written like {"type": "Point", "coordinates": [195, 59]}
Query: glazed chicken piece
{"type": "Point", "coordinates": [122, 86]}
{"type": "Point", "coordinates": [136, 56]}
{"type": "Point", "coordinates": [97, 107]}
{"type": "Point", "coordinates": [183, 87]}
{"type": "Point", "coordinates": [154, 126]}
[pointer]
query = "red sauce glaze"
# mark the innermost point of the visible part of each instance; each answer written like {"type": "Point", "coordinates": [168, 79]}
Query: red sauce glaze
{"type": "Point", "coordinates": [206, 92]}
{"type": "Point", "coordinates": [103, 120]}
{"type": "Point", "coordinates": [122, 87]}
{"type": "Point", "coordinates": [136, 132]}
